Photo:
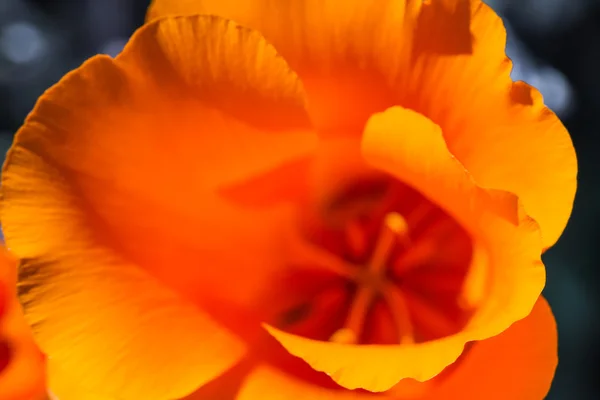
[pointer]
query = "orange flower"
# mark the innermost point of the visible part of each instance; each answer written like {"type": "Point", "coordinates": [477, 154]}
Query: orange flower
{"type": "Point", "coordinates": [21, 363]}
{"type": "Point", "coordinates": [328, 196]}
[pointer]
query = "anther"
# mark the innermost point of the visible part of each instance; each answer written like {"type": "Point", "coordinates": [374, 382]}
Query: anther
{"type": "Point", "coordinates": [344, 336]}
{"type": "Point", "coordinates": [353, 327]}
{"type": "Point", "coordinates": [394, 230]}
{"type": "Point", "coordinates": [396, 223]}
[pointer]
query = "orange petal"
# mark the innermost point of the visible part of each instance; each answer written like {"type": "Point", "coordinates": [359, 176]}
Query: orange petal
{"type": "Point", "coordinates": [24, 375]}
{"type": "Point", "coordinates": [222, 388]}
{"type": "Point", "coordinates": [313, 35]}
{"type": "Point", "coordinates": [118, 332]}
{"type": "Point", "coordinates": [267, 383]}
{"type": "Point", "coordinates": [517, 364]}
{"type": "Point", "coordinates": [112, 195]}
{"type": "Point", "coordinates": [499, 130]}
{"type": "Point", "coordinates": [444, 59]}
{"type": "Point", "coordinates": [328, 43]}
{"type": "Point", "coordinates": [411, 148]}
{"type": "Point", "coordinates": [63, 387]}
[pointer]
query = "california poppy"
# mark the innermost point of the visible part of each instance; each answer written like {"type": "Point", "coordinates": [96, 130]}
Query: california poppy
{"type": "Point", "coordinates": [21, 362]}
{"type": "Point", "coordinates": [293, 200]}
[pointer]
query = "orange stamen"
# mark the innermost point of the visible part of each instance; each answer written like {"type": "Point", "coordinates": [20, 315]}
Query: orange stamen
{"type": "Point", "coordinates": [353, 327]}
{"type": "Point", "coordinates": [372, 279]}
{"type": "Point", "coordinates": [422, 252]}
{"type": "Point", "coordinates": [308, 254]}
{"type": "Point", "coordinates": [356, 239]}
{"type": "Point", "coordinates": [400, 313]}
{"type": "Point", "coordinates": [394, 229]}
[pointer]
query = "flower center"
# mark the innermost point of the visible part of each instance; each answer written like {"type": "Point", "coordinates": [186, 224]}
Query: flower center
{"type": "Point", "coordinates": [392, 266]}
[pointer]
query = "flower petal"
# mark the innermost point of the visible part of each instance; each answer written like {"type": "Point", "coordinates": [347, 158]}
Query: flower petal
{"type": "Point", "coordinates": [268, 383]}
{"type": "Point", "coordinates": [112, 196]}
{"type": "Point", "coordinates": [517, 364]}
{"type": "Point", "coordinates": [508, 247]}
{"type": "Point", "coordinates": [63, 387]}
{"type": "Point", "coordinates": [328, 43]}
{"type": "Point", "coordinates": [24, 375]}
{"type": "Point", "coordinates": [444, 59]}
{"type": "Point", "coordinates": [500, 130]}
{"type": "Point", "coordinates": [117, 331]}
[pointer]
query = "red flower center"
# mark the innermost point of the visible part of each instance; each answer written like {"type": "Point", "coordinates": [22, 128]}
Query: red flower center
{"type": "Point", "coordinates": [396, 267]}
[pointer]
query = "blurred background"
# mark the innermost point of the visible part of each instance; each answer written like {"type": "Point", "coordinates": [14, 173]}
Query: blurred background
{"type": "Point", "coordinates": [554, 44]}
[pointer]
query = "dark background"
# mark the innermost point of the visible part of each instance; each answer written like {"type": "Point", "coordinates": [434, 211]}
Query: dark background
{"type": "Point", "coordinates": [555, 45]}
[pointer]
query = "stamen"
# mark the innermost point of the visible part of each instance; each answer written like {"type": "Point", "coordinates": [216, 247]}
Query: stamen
{"type": "Point", "coordinates": [394, 229]}
{"type": "Point", "coordinates": [432, 320]}
{"type": "Point", "coordinates": [309, 254]}
{"type": "Point", "coordinates": [420, 214]}
{"type": "Point", "coordinates": [356, 239]}
{"type": "Point", "coordinates": [421, 253]}
{"type": "Point", "coordinates": [344, 336]}
{"type": "Point", "coordinates": [355, 321]}
{"type": "Point", "coordinates": [396, 223]}
{"type": "Point", "coordinates": [400, 313]}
